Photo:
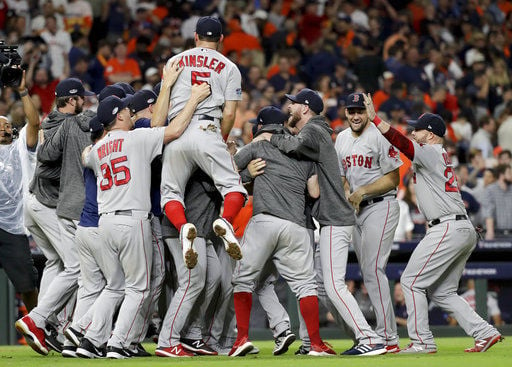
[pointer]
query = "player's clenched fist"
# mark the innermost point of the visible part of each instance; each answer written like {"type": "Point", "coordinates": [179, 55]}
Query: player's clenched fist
{"type": "Point", "coordinates": [200, 91]}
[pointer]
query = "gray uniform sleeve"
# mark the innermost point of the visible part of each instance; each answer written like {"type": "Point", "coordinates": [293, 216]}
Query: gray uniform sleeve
{"type": "Point", "coordinates": [302, 146]}
{"type": "Point", "coordinates": [52, 147]}
{"type": "Point", "coordinates": [244, 156]}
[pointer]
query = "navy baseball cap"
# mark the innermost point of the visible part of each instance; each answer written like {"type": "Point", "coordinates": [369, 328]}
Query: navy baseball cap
{"type": "Point", "coordinates": [430, 122]}
{"type": "Point", "coordinates": [355, 100]}
{"type": "Point", "coordinates": [308, 97]}
{"type": "Point", "coordinates": [209, 27]}
{"type": "Point", "coordinates": [270, 115]}
{"type": "Point", "coordinates": [142, 99]}
{"type": "Point", "coordinates": [71, 87]}
{"type": "Point", "coordinates": [157, 87]}
{"type": "Point", "coordinates": [95, 125]}
{"type": "Point", "coordinates": [128, 89]}
{"type": "Point", "coordinates": [110, 107]}
{"type": "Point", "coordinates": [111, 90]}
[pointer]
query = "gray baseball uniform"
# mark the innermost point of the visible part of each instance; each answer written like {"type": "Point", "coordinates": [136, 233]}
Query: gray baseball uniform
{"type": "Point", "coordinates": [314, 143]}
{"type": "Point", "coordinates": [121, 162]}
{"type": "Point", "coordinates": [201, 144]}
{"type": "Point", "coordinates": [364, 159]}
{"type": "Point", "coordinates": [436, 264]}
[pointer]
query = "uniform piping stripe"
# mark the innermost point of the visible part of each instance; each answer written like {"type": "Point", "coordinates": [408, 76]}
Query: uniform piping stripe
{"type": "Point", "coordinates": [179, 306]}
{"type": "Point", "coordinates": [416, 277]}
{"type": "Point", "coordinates": [334, 284]}
{"type": "Point", "coordinates": [147, 283]}
{"type": "Point", "coordinates": [377, 272]}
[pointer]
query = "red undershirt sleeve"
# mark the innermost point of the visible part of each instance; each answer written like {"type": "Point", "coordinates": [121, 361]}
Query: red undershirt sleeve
{"type": "Point", "coordinates": [401, 142]}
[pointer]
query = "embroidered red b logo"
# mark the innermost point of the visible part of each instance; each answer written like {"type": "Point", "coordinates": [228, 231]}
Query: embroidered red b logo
{"type": "Point", "coordinates": [356, 98]}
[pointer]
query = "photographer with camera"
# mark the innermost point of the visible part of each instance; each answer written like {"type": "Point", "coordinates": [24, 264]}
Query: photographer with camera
{"type": "Point", "coordinates": [17, 163]}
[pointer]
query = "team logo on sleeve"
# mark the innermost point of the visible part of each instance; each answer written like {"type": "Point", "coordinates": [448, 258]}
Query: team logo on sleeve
{"type": "Point", "coordinates": [238, 92]}
{"type": "Point", "coordinates": [393, 153]}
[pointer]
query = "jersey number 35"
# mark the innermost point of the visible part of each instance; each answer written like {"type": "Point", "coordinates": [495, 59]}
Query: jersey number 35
{"type": "Point", "coordinates": [114, 173]}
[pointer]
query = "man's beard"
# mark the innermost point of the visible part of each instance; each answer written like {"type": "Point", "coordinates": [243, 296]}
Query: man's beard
{"type": "Point", "coordinates": [78, 109]}
{"type": "Point", "coordinates": [293, 120]}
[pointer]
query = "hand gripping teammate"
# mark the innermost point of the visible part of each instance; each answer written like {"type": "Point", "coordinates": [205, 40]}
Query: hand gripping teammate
{"type": "Point", "coordinates": [369, 166]}
{"type": "Point", "coordinates": [202, 144]}
{"type": "Point", "coordinates": [436, 264]}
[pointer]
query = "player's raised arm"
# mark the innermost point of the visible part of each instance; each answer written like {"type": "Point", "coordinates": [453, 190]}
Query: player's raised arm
{"type": "Point", "coordinates": [178, 124]}
{"type": "Point", "coordinates": [30, 112]}
{"type": "Point", "coordinates": [390, 133]}
{"type": "Point", "coordinates": [170, 73]}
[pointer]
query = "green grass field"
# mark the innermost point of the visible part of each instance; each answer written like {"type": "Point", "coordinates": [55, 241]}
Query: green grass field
{"type": "Point", "coordinates": [450, 353]}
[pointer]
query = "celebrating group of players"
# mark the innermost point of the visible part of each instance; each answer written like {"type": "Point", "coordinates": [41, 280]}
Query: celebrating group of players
{"type": "Point", "coordinates": [101, 233]}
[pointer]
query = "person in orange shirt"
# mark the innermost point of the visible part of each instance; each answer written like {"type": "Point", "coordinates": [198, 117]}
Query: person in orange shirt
{"type": "Point", "coordinates": [238, 40]}
{"type": "Point", "coordinates": [384, 93]}
{"type": "Point", "coordinates": [121, 68]}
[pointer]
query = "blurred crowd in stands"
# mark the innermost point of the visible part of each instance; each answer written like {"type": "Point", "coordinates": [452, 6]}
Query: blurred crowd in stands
{"type": "Point", "coordinates": [451, 57]}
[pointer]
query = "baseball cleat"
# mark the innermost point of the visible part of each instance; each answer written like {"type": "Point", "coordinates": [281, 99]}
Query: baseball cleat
{"type": "Point", "coordinates": [365, 350]}
{"type": "Point", "coordinates": [241, 348]}
{"type": "Point", "coordinates": [417, 348]}
{"type": "Point", "coordinates": [392, 348]}
{"type": "Point", "coordinates": [254, 350]}
{"type": "Point", "coordinates": [302, 351]}
{"type": "Point", "coordinates": [176, 351]}
{"type": "Point", "coordinates": [481, 345]}
{"type": "Point", "coordinates": [224, 230]}
{"type": "Point", "coordinates": [69, 351]}
{"type": "Point", "coordinates": [198, 346]}
{"type": "Point", "coordinates": [34, 336]}
{"type": "Point", "coordinates": [188, 234]}
{"type": "Point", "coordinates": [118, 353]}
{"type": "Point", "coordinates": [137, 350]}
{"type": "Point", "coordinates": [283, 341]}
{"type": "Point", "coordinates": [51, 338]}
{"type": "Point", "coordinates": [73, 336]}
{"type": "Point", "coordinates": [87, 349]}
{"type": "Point", "coordinates": [321, 350]}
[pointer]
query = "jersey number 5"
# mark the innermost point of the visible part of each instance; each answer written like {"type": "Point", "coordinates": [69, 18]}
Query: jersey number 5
{"type": "Point", "coordinates": [198, 77]}
{"type": "Point", "coordinates": [450, 185]}
{"type": "Point", "coordinates": [120, 172]}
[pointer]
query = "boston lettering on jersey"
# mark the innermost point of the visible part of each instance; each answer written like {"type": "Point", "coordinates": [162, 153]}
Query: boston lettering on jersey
{"type": "Point", "coordinates": [202, 61]}
{"type": "Point", "coordinates": [115, 145]}
{"type": "Point", "coordinates": [357, 160]}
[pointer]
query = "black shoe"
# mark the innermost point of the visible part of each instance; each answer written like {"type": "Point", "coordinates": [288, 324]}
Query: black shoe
{"type": "Point", "coordinates": [302, 351]}
{"type": "Point", "coordinates": [118, 353]}
{"type": "Point", "coordinates": [50, 337]}
{"type": "Point", "coordinates": [73, 336]}
{"type": "Point", "coordinates": [69, 351]}
{"type": "Point", "coordinates": [198, 346]}
{"type": "Point", "coordinates": [88, 350]}
{"type": "Point", "coordinates": [283, 341]}
{"type": "Point", "coordinates": [152, 333]}
{"type": "Point", "coordinates": [137, 350]}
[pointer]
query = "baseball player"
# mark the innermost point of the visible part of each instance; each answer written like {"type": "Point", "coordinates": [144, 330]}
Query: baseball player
{"type": "Point", "coordinates": [48, 220]}
{"type": "Point", "coordinates": [203, 204]}
{"type": "Point", "coordinates": [121, 162]}
{"type": "Point", "coordinates": [277, 232]}
{"type": "Point", "coordinates": [436, 264]}
{"type": "Point", "coordinates": [369, 165]}
{"type": "Point", "coordinates": [314, 142]}
{"type": "Point", "coordinates": [202, 144]}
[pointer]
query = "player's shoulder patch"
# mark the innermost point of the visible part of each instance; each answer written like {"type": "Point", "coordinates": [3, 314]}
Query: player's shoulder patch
{"type": "Point", "coordinates": [393, 152]}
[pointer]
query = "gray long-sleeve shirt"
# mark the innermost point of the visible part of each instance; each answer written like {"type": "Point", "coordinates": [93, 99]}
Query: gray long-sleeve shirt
{"type": "Point", "coordinates": [314, 143]}
{"type": "Point", "coordinates": [46, 181]}
{"type": "Point", "coordinates": [281, 190]}
{"type": "Point", "coordinates": [66, 146]}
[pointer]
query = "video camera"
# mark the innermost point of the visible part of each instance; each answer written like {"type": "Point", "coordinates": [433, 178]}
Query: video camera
{"type": "Point", "coordinates": [10, 60]}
